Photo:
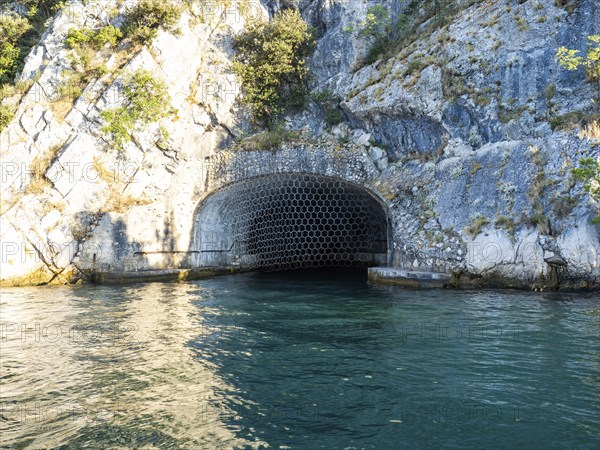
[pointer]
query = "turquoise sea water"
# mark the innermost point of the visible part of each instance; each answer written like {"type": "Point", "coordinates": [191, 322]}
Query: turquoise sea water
{"type": "Point", "coordinates": [298, 360]}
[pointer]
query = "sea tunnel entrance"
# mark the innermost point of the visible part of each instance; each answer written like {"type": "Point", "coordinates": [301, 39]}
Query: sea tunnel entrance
{"type": "Point", "coordinates": [291, 221]}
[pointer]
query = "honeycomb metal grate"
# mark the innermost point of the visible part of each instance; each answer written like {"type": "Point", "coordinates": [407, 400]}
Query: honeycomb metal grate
{"type": "Point", "coordinates": [292, 221]}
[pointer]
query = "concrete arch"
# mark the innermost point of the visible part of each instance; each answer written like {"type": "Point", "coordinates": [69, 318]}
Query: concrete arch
{"type": "Point", "coordinates": [291, 220]}
{"type": "Point", "coordinates": [229, 167]}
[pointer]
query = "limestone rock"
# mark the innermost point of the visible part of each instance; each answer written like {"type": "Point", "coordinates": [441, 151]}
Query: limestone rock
{"type": "Point", "coordinates": [450, 131]}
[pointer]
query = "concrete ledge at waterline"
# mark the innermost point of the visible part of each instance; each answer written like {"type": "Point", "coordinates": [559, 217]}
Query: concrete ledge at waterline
{"type": "Point", "coordinates": [149, 276]}
{"type": "Point", "coordinates": [408, 278]}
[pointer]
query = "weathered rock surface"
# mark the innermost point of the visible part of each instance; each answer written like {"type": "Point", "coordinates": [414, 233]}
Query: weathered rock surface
{"type": "Point", "coordinates": [464, 138]}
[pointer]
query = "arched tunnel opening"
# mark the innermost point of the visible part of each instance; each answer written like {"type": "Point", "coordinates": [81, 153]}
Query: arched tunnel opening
{"type": "Point", "coordinates": [291, 221]}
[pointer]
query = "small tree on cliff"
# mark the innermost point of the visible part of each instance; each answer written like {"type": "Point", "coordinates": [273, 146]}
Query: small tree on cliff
{"type": "Point", "coordinates": [271, 63]}
{"type": "Point", "coordinates": [147, 100]}
{"type": "Point", "coordinates": [145, 19]}
{"type": "Point", "coordinates": [589, 172]}
{"type": "Point", "coordinates": [12, 28]}
{"type": "Point", "coordinates": [589, 168]}
{"type": "Point", "coordinates": [572, 60]}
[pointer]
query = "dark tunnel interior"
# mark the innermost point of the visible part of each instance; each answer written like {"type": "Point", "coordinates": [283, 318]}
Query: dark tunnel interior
{"type": "Point", "coordinates": [295, 221]}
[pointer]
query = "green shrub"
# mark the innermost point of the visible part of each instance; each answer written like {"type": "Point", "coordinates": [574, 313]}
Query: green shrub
{"type": "Point", "coordinates": [41, 10]}
{"type": "Point", "coordinates": [375, 52]}
{"type": "Point", "coordinates": [537, 220]}
{"type": "Point", "coordinates": [333, 116]}
{"type": "Point", "coordinates": [86, 62]}
{"type": "Point", "coordinates": [506, 114]}
{"type": "Point", "coordinates": [87, 58]}
{"type": "Point", "coordinates": [377, 23]}
{"type": "Point", "coordinates": [148, 16]}
{"type": "Point", "coordinates": [414, 66]}
{"type": "Point", "coordinates": [76, 38]}
{"type": "Point", "coordinates": [163, 139]}
{"type": "Point", "coordinates": [71, 86]}
{"type": "Point", "coordinates": [11, 31]}
{"type": "Point", "coordinates": [9, 55]}
{"type": "Point", "coordinates": [522, 24]}
{"type": "Point", "coordinates": [377, 26]}
{"type": "Point", "coordinates": [569, 5]}
{"type": "Point", "coordinates": [269, 139]}
{"type": "Point", "coordinates": [476, 225]}
{"type": "Point", "coordinates": [271, 63]}
{"type": "Point", "coordinates": [147, 96]}
{"type": "Point", "coordinates": [563, 206]}
{"type": "Point", "coordinates": [146, 100]}
{"type": "Point", "coordinates": [589, 173]}
{"type": "Point", "coordinates": [419, 17]}
{"type": "Point", "coordinates": [108, 35]}
{"type": "Point", "coordinates": [507, 223]}
{"type": "Point", "coordinates": [572, 60]}
{"type": "Point", "coordinates": [482, 100]}
{"type": "Point", "coordinates": [12, 28]}
{"type": "Point", "coordinates": [329, 101]}
{"type": "Point", "coordinates": [550, 91]}
{"type": "Point", "coordinates": [18, 34]}
{"type": "Point", "coordinates": [96, 39]}
{"type": "Point", "coordinates": [573, 119]}
{"type": "Point", "coordinates": [6, 115]}
{"type": "Point", "coordinates": [74, 82]}
{"type": "Point", "coordinates": [325, 97]}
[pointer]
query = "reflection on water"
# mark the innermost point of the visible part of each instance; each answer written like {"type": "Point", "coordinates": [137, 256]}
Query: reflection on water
{"type": "Point", "coordinates": [297, 360]}
{"type": "Point", "coordinates": [108, 367]}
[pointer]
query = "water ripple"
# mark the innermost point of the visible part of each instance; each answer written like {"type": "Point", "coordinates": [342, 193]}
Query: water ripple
{"type": "Point", "coordinates": [297, 361]}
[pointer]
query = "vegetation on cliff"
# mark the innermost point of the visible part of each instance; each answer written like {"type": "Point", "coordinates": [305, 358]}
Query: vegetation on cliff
{"type": "Point", "coordinates": [589, 173]}
{"type": "Point", "coordinates": [146, 101]}
{"type": "Point", "coordinates": [387, 36]}
{"type": "Point", "coordinates": [11, 30]}
{"type": "Point", "coordinates": [96, 39]}
{"type": "Point", "coordinates": [18, 33]}
{"type": "Point", "coordinates": [90, 49]}
{"type": "Point", "coordinates": [573, 60]}
{"type": "Point", "coordinates": [271, 62]}
{"type": "Point", "coordinates": [145, 19]}
{"type": "Point", "coordinates": [22, 26]}
{"type": "Point", "coordinates": [588, 170]}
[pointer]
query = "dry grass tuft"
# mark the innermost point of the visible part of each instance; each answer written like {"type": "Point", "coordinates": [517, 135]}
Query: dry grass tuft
{"type": "Point", "coordinates": [590, 131]}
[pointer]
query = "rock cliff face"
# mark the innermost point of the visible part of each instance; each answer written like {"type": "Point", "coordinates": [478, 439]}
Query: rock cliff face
{"type": "Point", "coordinates": [453, 132]}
